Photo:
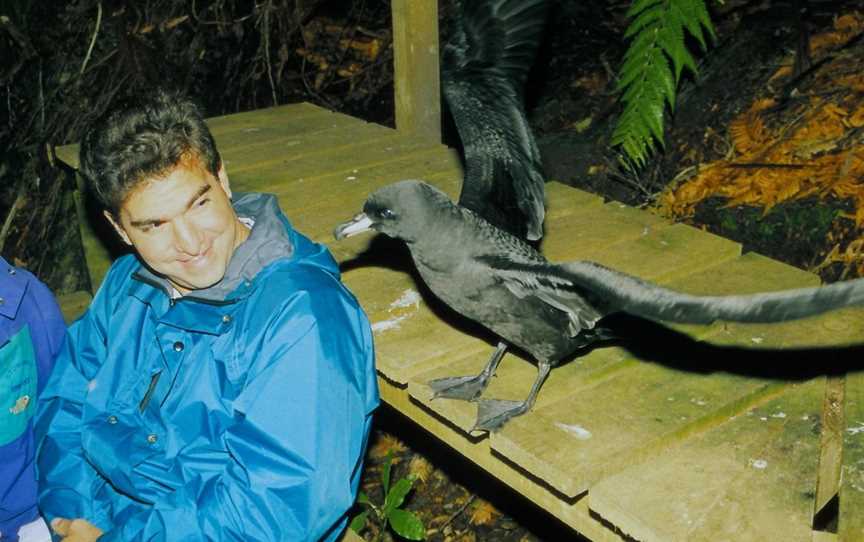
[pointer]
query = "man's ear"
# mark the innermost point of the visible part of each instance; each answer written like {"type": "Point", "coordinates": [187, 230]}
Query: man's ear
{"type": "Point", "coordinates": [223, 180]}
{"type": "Point", "coordinates": [118, 228]}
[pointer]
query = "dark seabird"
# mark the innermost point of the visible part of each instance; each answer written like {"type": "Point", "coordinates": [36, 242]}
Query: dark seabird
{"type": "Point", "coordinates": [549, 310]}
{"type": "Point", "coordinates": [485, 64]}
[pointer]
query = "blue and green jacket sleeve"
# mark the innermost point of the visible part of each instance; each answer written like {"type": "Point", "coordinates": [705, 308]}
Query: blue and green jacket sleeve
{"type": "Point", "coordinates": [31, 332]}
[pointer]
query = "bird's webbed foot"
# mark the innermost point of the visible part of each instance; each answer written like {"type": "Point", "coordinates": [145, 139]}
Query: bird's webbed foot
{"type": "Point", "coordinates": [492, 414]}
{"type": "Point", "coordinates": [467, 388]}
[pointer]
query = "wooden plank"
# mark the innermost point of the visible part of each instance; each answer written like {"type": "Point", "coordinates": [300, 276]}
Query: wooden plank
{"type": "Point", "coordinates": [750, 478]}
{"type": "Point", "coordinates": [329, 151]}
{"type": "Point", "coordinates": [68, 154]}
{"type": "Point", "coordinates": [350, 536]}
{"type": "Point", "coordinates": [415, 67]}
{"type": "Point", "coordinates": [593, 228]}
{"type": "Point", "coordinates": [296, 137]}
{"type": "Point", "coordinates": [573, 513]}
{"type": "Point", "coordinates": [351, 187]}
{"type": "Point", "coordinates": [830, 450]}
{"type": "Point", "coordinates": [280, 114]}
{"type": "Point", "coordinates": [562, 200]}
{"type": "Point", "coordinates": [409, 334]}
{"type": "Point", "coordinates": [248, 128]}
{"type": "Point", "coordinates": [289, 134]}
{"type": "Point", "coordinates": [851, 519]}
{"type": "Point", "coordinates": [337, 197]}
{"type": "Point", "coordinates": [678, 250]}
{"type": "Point", "coordinates": [73, 305]}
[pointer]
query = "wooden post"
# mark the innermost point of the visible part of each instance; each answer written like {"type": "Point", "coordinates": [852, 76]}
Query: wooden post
{"type": "Point", "coordinates": [415, 65]}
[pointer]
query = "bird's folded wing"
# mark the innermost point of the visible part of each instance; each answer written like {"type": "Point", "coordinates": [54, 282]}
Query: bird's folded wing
{"type": "Point", "coordinates": [625, 293]}
{"type": "Point", "coordinates": [525, 279]}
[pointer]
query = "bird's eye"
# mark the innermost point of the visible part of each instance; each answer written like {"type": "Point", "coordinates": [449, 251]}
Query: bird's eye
{"type": "Point", "coordinates": [385, 213]}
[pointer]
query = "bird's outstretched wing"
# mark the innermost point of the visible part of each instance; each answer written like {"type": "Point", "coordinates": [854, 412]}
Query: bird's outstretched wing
{"type": "Point", "coordinates": [485, 64]}
{"type": "Point", "coordinates": [605, 290]}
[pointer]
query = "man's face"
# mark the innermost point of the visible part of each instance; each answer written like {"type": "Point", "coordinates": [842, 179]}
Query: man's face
{"type": "Point", "coordinates": [182, 225]}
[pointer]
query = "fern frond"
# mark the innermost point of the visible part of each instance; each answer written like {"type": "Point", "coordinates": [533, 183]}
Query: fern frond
{"type": "Point", "coordinates": [639, 6]}
{"type": "Point", "coordinates": [646, 81]}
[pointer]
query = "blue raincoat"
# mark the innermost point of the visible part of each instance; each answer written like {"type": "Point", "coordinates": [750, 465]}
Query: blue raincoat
{"type": "Point", "coordinates": [31, 332]}
{"type": "Point", "coordinates": [238, 412]}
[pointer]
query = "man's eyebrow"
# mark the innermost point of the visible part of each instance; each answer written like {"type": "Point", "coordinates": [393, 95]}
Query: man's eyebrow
{"type": "Point", "coordinates": [155, 221]}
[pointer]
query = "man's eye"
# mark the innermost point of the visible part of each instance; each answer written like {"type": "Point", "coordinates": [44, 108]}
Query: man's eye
{"type": "Point", "coordinates": [150, 227]}
{"type": "Point", "coordinates": [203, 202]}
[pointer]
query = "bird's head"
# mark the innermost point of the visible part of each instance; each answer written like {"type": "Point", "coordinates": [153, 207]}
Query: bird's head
{"type": "Point", "coordinates": [403, 210]}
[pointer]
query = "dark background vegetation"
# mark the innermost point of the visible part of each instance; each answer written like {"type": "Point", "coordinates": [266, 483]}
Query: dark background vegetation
{"type": "Point", "coordinates": [63, 64]}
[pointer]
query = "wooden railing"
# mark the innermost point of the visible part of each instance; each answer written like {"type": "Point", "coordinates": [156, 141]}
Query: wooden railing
{"type": "Point", "coordinates": [415, 65]}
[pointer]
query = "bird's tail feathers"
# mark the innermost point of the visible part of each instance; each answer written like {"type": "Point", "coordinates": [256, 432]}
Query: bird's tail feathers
{"type": "Point", "coordinates": [635, 296]}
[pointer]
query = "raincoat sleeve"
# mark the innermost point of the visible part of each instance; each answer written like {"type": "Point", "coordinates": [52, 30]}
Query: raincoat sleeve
{"type": "Point", "coordinates": [297, 444]}
{"type": "Point", "coordinates": [67, 482]}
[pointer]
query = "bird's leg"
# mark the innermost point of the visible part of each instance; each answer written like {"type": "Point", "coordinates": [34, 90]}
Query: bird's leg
{"type": "Point", "coordinates": [468, 388]}
{"type": "Point", "coordinates": [492, 414]}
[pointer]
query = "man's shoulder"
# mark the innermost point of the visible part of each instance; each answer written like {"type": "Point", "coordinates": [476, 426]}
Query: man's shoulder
{"type": "Point", "coordinates": [121, 271]}
{"type": "Point", "coordinates": [291, 282]}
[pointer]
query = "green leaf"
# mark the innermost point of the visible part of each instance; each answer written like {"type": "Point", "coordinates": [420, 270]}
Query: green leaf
{"type": "Point", "coordinates": [688, 13]}
{"type": "Point", "coordinates": [407, 525]}
{"type": "Point", "coordinates": [701, 13]}
{"type": "Point", "coordinates": [651, 113]}
{"type": "Point", "coordinates": [652, 68]}
{"type": "Point", "coordinates": [661, 79]}
{"type": "Point", "coordinates": [639, 6]}
{"type": "Point", "coordinates": [385, 473]}
{"type": "Point", "coordinates": [396, 496]}
{"type": "Point", "coordinates": [647, 18]}
{"type": "Point", "coordinates": [362, 498]}
{"type": "Point", "coordinates": [672, 42]}
{"type": "Point", "coordinates": [359, 522]}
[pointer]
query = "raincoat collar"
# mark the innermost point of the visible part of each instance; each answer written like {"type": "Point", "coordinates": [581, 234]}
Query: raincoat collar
{"type": "Point", "coordinates": [268, 241]}
{"type": "Point", "coordinates": [12, 288]}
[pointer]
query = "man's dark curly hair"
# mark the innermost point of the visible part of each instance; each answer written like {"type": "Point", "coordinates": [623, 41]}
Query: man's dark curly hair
{"type": "Point", "coordinates": [141, 139]}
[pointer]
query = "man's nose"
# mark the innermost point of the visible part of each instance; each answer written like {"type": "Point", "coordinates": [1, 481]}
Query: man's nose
{"type": "Point", "coordinates": [187, 237]}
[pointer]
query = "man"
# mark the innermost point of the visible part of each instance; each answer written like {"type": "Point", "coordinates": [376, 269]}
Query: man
{"type": "Point", "coordinates": [221, 384]}
{"type": "Point", "coordinates": [31, 332]}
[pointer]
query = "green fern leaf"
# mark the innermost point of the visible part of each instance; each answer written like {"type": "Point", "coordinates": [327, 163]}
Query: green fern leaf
{"type": "Point", "coordinates": [651, 69]}
{"type": "Point", "coordinates": [651, 112]}
{"type": "Point", "coordinates": [648, 17]}
{"type": "Point", "coordinates": [701, 13]}
{"type": "Point", "coordinates": [672, 40]}
{"type": "Point", "coordinates": [639, 6]}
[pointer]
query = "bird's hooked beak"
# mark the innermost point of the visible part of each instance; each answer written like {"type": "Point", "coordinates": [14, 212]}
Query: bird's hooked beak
{"type": "Point", "coordinates": [358, 224]}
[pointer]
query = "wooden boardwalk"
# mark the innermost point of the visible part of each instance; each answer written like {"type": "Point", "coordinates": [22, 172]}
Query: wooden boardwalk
{"type": "Point", "coordinates": [694, 447]}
